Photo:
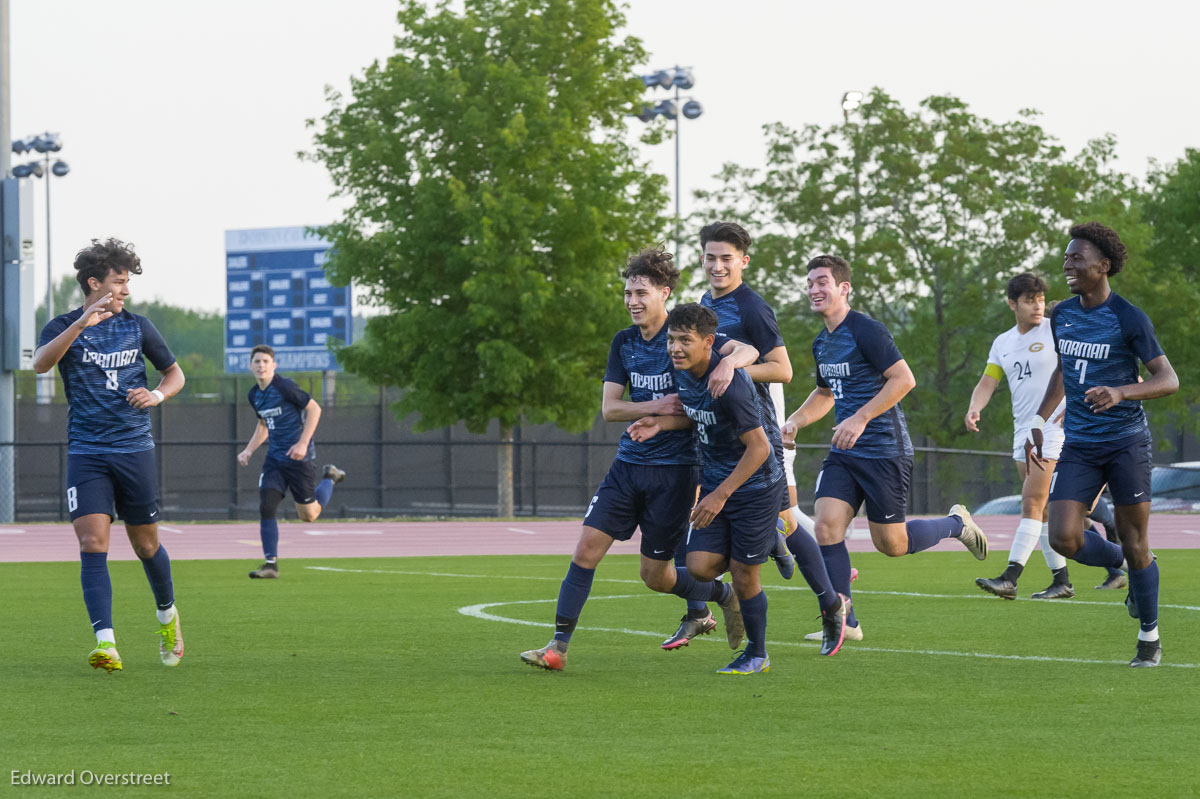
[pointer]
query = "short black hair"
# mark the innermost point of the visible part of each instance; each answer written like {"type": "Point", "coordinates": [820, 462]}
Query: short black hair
{"type": "Point", "coordinates": [728, 232]}
{"type": "Point", "coordinates": [655, 263]}
{"type": "Point", "coordinates": [1106, 241]}
{"type": "Point", "coordinates": [262, 348]}
{"type": "Point", "coordinates": [693, 316]}
{"type": "Point", "coordinates": [838, 267]}
{"type": "Point", "coordinates": [111, 255]}
{"type": "Point", "coordinates": [1025, 283]}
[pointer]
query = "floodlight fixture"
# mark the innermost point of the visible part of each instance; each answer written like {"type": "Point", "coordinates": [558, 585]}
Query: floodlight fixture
{"type": "Point", "coordinates": [692, 109]}
{"type": "Point", "coordinates": [851, 100]}
{"type": "Point", "coordinates": [60, 168]}
{"type": "Point", "coordinates": [683, 78]}
{"type": "Point", "coordinates": [667, 109]}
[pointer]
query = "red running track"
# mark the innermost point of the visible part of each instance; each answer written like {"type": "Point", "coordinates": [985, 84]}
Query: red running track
{"type": "Point", "coordinates": [369, 539]}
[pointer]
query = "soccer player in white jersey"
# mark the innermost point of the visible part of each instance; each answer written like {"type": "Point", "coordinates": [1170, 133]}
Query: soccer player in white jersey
{"type": "Point", "coordinates": [1025, 355]}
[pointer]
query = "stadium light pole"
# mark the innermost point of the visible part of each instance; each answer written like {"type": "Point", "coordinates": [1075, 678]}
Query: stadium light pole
{"type": "Point", "coordinates": [45, 143]}
{"type": "Point", "coordinates": [678, 78]}
{"type": "Point", "coordinates": [851, 100]}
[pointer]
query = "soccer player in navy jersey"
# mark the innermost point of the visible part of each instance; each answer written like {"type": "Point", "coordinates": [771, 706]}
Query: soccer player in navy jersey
{"type": "Point", "coordinates": [862, 377]}
{"type": "Point", "coordinates": [743, 315]}
{"type": "Point", "coordinates": [650, 484]}
{"type": "Point", "coordinates": [741, 482]}
{"type": "Point", "coordinates": [1100, 337]}
{"type": "Point", "coordinates": [287, 420]}
{"type": "Point", "coordinates": [99, 349]}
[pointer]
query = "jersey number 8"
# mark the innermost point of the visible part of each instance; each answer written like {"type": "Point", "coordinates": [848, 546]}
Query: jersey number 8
{"type": "Point", "coordinates": [111, 384]}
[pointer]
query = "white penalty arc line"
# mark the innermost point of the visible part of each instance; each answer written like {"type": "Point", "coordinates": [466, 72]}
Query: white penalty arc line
{"type": "Point", "coordinates": [480, 612]}
{"type": "Point", "coordinates": [914, 594]}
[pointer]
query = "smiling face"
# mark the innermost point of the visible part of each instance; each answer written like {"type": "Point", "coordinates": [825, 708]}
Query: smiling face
{"type": "Point", "coordinates": [825, 295]}
{"type": "Point", "coordinates": [723, 265]}
{"type": "Point", "coordinates": [1084, 267]}
{"type": "Point", "coordinates": [116, 282]}
{"type": "Point", "coordinates": [646, 302]}
{"type": "Point", "coordinates": [688, 349]}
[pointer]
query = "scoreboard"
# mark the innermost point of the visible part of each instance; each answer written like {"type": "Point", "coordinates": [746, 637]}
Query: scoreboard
{"type": "Point", "coordinates": [276, 293]}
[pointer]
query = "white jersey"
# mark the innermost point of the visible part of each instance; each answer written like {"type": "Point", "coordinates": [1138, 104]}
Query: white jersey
{"type": "Point", "coordinates": [1027, 360]}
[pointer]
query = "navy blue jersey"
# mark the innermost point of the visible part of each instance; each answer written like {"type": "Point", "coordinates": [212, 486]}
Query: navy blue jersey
{"type": "Point", "coordinates": [745, 316]}
{"type": "Point", "coordinates": [646, 368]}
{"type": "Point", "coordinates": [850, 362]}
{"type": "Point", "coordinates": [1101, 346]}
{"type": "Point", "coordinates": [98, 369]}
{"type": "Point", "coordinates": [721, 421]}
{"type": "Point", "coordinates": [280, 406]}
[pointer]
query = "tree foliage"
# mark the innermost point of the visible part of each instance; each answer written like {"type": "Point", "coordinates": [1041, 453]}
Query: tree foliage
{"type": "Point", "coordinates": [492, 201]}
{"type": "Point", "coordinates": [935, 208]}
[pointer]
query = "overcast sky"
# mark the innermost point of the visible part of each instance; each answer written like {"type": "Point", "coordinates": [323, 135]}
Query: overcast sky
{"type": "Point", "coordinates": [182, 120]}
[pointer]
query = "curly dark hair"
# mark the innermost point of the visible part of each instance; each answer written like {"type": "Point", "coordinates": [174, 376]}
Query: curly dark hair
{"type": "Point", "coordinates": [728, 232]}
{"type": "Point", "coordinates": [1106, 241]}
{"type": "Point", "coordinates": [111, 255]}
{"type": "Point", "coordinates": [654, 263]}
{"type": "Point", "coordinates": [838, 267]}
{"type": "Point", "coordinates": [693, 316]}
{"type": "Point", "coordinates": [1025, 283]}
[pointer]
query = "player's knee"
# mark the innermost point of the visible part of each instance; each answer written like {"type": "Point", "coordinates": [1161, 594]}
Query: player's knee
{"type": "Point", "coordinates": [1065, 542]}
{"type": "Point", "coordinates": [309, 512]}
{"type": "Point", "coordinates": [745, 581]}
{"type": "Point", "coordinates": [145, 549]}
{"type": "Point", "coordinates": [655, 577]}
{"type": "Point", "coordinates": [268, 504]}
{"type": "Point", "coordinates": [893, 546]}
{"type": "Point", "coordinates": [827, 532]}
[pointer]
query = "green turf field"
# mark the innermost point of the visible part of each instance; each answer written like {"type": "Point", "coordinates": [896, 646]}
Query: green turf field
{"type": "Point", "coordinates": [375, 683]}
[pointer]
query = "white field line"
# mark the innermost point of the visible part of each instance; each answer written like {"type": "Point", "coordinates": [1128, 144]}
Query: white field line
{"type": "Point", "coordinates": [523, 532]}
{"type": "Point", "coordinates": [12, 531]}
{"type": "Point", "coordinates": [343, 532]}
{"type": "Point", "coordinates": [170, 529]}
{"type": "Point", "coordinates": [480, 612]}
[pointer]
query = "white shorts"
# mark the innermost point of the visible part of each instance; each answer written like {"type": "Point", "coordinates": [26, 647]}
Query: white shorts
{"type": "Point", "coordinates": [789, 455]}
{"type": "Point", "coordinates": [1053, 437]}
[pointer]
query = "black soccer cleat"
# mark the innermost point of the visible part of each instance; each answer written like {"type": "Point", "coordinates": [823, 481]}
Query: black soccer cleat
{"type": "Point", "coordinates": [1005, 589]}
{"type": "Point", "coordinates": [267, 571]}
{"type": "Point", "coordinates": [1056, 591]}
{"type": "Point", "coordinates": [334, 473]}
{"type": "Point", "coordinates": [833, 627]}
{"type": "Point", "coordinates": [1149, 654]}
{"type": "Point", "coordinates": [1131, 605]}
{"type": "Point", "coordinates": [689, 629]}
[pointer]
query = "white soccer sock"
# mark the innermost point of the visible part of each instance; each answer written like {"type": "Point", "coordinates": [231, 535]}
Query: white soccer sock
{"type": "Point", "coordinates": [1054, 560]}
{"type": "Point", "coordinates": [1024, 540]}
{"type": "Point", "coordinates": [165, 616]}
{"type": "Point", "coordinates": [1148, 636]}
{"type": "Point", "coordinates": [106, 636]}
{"type": "Point", "coordinates": [803, 521]}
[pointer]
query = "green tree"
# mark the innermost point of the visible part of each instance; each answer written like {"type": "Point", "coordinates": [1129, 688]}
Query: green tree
{"type": "Point", "coordinates": [493, 199]}
{"type": "Point", "coordinates": [935, 208]}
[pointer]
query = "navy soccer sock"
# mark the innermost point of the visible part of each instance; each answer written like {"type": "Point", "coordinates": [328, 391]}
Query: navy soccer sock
{"type": "Point", "coordinates": [837, 565]}
{"type": "Point", "coordinates": [925, 533]}
{"type": "Point", "coordinates": [158, 572]}
{"type": "Point", "coordinates": [754, 617]}
{"type": "Point", "coordinates": [1143, 584]}
{"type": "Point", "coordinates": [1097, 551]}
{"type": "Point", "coordinates": [571, 597]}
{"type": "Point", "coordinates": [695, 608]}
{"type": "Point", "coordinates": [808, 557]}
{"type": "Point", "coordinates": [97, 589]}
{"type": "Point", "coordinates": [268, 531]}
{"type": "Point", "coordinates": [324, 492]}
{"type": "Point", "coordinates": [688, 587]}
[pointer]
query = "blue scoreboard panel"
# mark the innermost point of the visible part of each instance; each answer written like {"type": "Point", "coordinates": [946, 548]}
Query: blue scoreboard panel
{"type": "Point", "coordinates": [277, 294]}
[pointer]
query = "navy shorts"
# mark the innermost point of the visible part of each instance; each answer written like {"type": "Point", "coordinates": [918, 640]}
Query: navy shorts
{"type": "Point", "coordinates": [126, 480]}
{"type": "Point", "coordinates": [658, 499]}
{"type": "Point", "coordinates": [881, 482]}
{"type": "Point", "coordinates": [1083, 469]}
{"type": "Point", "coordinates": [744, 530]}
{"type": "Point", "coordinates": [299, 476]}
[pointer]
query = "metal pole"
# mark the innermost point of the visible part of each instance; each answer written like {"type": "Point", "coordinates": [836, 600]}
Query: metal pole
{"type": "Point", "coordinates": [7, 379]}
{"type": "Point", "coordinates": [45, 382]}
{"type": "Point", "coordinates": [677, 113]}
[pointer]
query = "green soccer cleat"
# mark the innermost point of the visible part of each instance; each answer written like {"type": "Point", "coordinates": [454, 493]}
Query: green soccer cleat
{"type": "Point", "coordinates": [747, 664]}
{"type": "Point", "coordinates": [105, 656]}
{"type": "Point", "coordinates": [170, 648]}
